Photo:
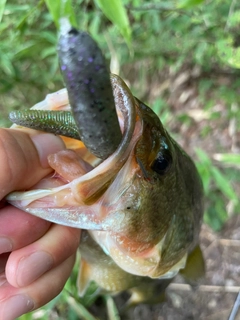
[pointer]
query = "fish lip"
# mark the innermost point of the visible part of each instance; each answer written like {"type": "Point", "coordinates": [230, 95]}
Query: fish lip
{"type": "Point", "coordinates": [127, 105]}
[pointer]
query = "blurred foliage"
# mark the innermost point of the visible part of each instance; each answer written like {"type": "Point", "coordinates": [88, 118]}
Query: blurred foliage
{"type": "Point", "coordinates": [145, 42]}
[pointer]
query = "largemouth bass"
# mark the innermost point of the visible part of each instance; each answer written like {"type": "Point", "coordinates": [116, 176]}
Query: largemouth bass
{"type": "Point", "coordinates": [142, 205]}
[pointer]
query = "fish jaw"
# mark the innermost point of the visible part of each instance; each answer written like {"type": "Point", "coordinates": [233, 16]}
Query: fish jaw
{"type": "Point", "coordinates": [162, 212]}
{"type": "Point", "coordinates": [145, 221]}
{"type": "Point", "coordinates": [68, 203]}
{"type": "Point", "coordinates": [73, 202]}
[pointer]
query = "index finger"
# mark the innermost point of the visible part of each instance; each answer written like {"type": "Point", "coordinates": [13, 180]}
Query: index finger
{"type": "Point", "coordinates": [23, 158]}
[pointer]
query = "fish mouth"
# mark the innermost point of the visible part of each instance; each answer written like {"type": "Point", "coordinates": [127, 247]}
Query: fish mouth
{"type": "Point", "coordinates": [80, 202]}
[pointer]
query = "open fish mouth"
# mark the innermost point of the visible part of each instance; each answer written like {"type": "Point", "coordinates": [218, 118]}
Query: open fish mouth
{"type": "Point", "coordinates": [130, 185]}
{"type": "Point", "coordinates": [97, 109]}
{"type": "Point", "coordinates": [68, 202]}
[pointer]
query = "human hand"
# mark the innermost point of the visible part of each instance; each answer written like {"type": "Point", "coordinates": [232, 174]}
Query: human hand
{"type": "Point", "coordinates": [36, 256]}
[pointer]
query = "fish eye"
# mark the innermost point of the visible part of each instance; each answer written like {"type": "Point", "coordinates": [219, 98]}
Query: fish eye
{"type": "Point", "coordinates": [163, 161]}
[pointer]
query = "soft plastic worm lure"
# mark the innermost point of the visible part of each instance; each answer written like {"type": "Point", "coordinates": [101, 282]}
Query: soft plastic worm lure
{"type": "Point", "coordinates": [57, 122]}
{"type": "Point", "coordinates": [87, 80]}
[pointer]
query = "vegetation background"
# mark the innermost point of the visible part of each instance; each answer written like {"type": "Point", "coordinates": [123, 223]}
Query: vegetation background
{"type": "Point", "coordinates": [180, 57]}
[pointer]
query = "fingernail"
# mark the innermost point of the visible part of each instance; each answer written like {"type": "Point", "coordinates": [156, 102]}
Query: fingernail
{"type": "Point", "coordinates": [5, 245]}
{"type": "Point", "coordinates": [15, 306]}
{"type": "Point", "coordinates": [32, 267]}
{"type": "Point", "coordinates": [46, 144]}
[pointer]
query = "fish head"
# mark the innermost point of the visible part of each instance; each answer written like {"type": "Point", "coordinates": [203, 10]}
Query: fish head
{"type": "Point", "coordinates": [142, 205]}
{"type": "Point", "coordinates": [157, 203]}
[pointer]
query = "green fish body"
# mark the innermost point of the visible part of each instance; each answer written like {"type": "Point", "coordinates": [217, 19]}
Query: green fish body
{"type": "Point", "coordinates": [141, 208]}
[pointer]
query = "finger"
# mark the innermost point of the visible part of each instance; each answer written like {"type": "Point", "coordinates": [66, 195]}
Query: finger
{"type": "Point", "coordinates": [19, 229]}
{"type": "Point", "coordinates": [23, 158]}
{"type": "Point", "coordinates": [16, 301]}
{"type": "Point", "coordinates": [29, 263]}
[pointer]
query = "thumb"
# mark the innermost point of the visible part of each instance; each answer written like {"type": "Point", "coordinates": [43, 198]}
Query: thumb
{"type": "Point", "coordinates": [23, 158]}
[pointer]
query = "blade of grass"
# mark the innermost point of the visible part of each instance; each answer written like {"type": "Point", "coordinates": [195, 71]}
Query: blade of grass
{"type": "Point", "coordinates": [112, 309]}
{"type": "Point", "coordinates": [60, 9]}
{"type": "Point", "coordinates": [2, 7]}
{"type": "Point", "coordinates": [80, 309]}
{"type": "Point", "coordinates": [187, 4]}
{"type": "Point", "coordinates": [231, 159]}
{"type": "Point", "coordinates": [115, 11]}
{"type": "Point", "coordinates": [223, 184]}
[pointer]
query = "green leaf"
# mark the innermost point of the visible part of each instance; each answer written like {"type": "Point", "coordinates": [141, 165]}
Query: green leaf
{"type": "Point", "coordinates": [6, 64]}
{"type": "Point", "coordinates": [223, 184]}
{"type": "Point", "coordinates": [234, 19]}
{"type": "Point", "coordinates": [216, 215]}
{"type": "Point", "coordinates": [27, 50]}
{"type": "Point", "coordinates": [2, 7]}
{"type": "Point", "coordinates": [51, 51]}
{"type": "Point", "coordinates": [228, 53]}
{"type": "Point", "coordinates": [61, 9]}
{"type": "Point", "coordinates": [228, 158]}
{"type": "Point", "coordinates": [187, 4]}
{"type": "Point", "coordinates": [203, 157]}
{"type": "Point", "coordinates": [114, 10]}
{"type": "Point", "coordinates": [205, 176]}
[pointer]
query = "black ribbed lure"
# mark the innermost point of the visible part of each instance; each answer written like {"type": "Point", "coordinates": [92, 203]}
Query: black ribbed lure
{"type": "Point", "coordinates": [87, 79]}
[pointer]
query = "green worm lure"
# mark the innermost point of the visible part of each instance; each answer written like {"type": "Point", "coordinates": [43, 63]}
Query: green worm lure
{"type": "Point", "coordinates": [57, 122]}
